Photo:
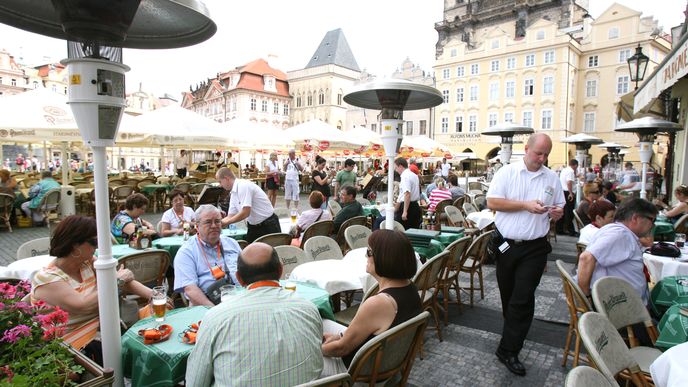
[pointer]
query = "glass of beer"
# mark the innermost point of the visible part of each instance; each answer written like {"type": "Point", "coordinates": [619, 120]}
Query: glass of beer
{"type": "Point", "coordinates": [289, 285]}
{"type": "Point", "coordinates": [159, 301]}
{"type": "Point", "coordinates": [294, 214]}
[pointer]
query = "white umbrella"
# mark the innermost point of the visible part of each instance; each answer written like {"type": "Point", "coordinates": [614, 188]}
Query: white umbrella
{"type": "Point", "coordinates": [251, 135]}
{"type": "Point", "coordinates": [363, 134]}
{"type": "Point", "coordinates": [417, 145]}
{"type": "Point", "coordinates": [323, 135]}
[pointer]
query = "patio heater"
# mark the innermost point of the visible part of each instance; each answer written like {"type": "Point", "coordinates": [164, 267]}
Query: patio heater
{"type": "Point", "coordinates": [613, 159]}
{"type": "Point", "coordinates": [583, 142]}
{"type": "Point", "coordinates": [392, 97]}
{"type": "Point", "coordinates": [507, 131]}
{"type": "Point", "coordinates": [99, 30]}
{"type": "Point", "coordinates": [646, 128]}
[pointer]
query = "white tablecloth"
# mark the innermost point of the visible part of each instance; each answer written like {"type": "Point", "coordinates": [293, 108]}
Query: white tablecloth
{"type": "Point", "coordinates": [670, 369]}
{"type": "Point", "coordinates": [660, 267]}
{"type": "Point", "coordinates": [339, 275]}
{"type": "Point", "coordinates": [481, 219]}
{"type": "Point", "coordinates": [25, 268]}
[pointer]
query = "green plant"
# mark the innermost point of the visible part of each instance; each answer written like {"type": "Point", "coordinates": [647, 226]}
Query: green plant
{"type": "Point", "coordinates": [31, 350]}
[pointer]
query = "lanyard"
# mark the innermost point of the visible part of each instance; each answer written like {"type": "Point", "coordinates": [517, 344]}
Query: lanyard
{"type": "Point", "coordinates": [263, 284]}
{"type": "Point", "coordinates": [179, 218]}
{"type": "Point", "coordinates": [200, 246]}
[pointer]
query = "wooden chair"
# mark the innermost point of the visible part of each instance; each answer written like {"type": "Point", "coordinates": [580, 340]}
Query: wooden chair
{"type": "Point", "coordinates": [345, 316]}
{"type": "Point", "coordinates": [469, 208]}
{"type": "Point", "coordinates": [49, 206]}
{"type": "Point", "coordinates": [397, 226]}
{"type": "Point", "coordinates": [359, 220]}
{"type": "Point", "coordinates": [242, 243]}
{"type": "Point", "coordinates": [580, 248]}
{"type": "Point", "coordinates": [196, 191]}
{"type": "Point", "coordinates": [116, 182]}
{"type": "Point", "coordinates": [458, 203]}
{"type": "Point", "coordinates": [356, 236]}
{"type": "Point", "coordinates": [475, 186]}
{"type": "Point", "coordinates": [588, 377]}
{"type": "Point", "coordinates": [149, 266]}
{"type": "Point", "coordinates": [6, 208]}
{"type": "Point", "coordinates": [472, 263]}
{"type": "Point", "coordinates": [275, 239]}
{"type": "Point", "coordinates": [427, 281]}
{"type": "Point", "coordinates": [480, 202]}
{"type": "Point", "coordinates": [334, 207]}
{"type": "Point", "coordinates": [34, 247]}
{"type": "Point", "coordinates": [339, 380]}
{"type": "Point", "coordinates": [290, 256]}
{"type": "Point", "coordinates": [321, 247]}
{"type": "Point", "coordinates": [577, 304]}
{"type": "Point", "coordinates": [613, 358]}
{"type": "Point", "coordinates": [389, 353]}
{"type": "Point", "coordinates": [681, 225]}
{"type": "Point", "coordinates": [578, 221]}
{"type": "Point", "coordinates": [322, 228]}
{"type": "Point", "coordinates": [119, 197]}
{"type": "Point", "coordinates": [441, 216]}
{"type": "Point", "coordinates": [450, 277]}
{"type": "Point", "coordinates": [455, 218]}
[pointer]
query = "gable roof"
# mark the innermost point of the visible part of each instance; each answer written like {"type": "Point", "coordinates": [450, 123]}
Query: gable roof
{"type": "Point", "coordinates": [261, 67]}
{"type": "Point", "coordinates": [334, 49]}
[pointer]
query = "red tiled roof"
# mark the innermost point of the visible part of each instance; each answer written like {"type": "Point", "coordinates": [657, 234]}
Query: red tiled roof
{"type": "Point", "coordinates": [45, 69]}
{"type": "Point", "coordinates": [255, 82]}
{"type": "Point", "coordinates": [260, 67]}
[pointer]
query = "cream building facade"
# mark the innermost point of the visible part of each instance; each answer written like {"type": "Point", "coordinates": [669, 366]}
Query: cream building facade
{"type": "Point", "coordinates": [547, 67]}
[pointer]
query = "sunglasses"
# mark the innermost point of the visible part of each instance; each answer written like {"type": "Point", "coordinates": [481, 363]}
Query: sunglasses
{"type": "Point", "coordinates": [93, 242]}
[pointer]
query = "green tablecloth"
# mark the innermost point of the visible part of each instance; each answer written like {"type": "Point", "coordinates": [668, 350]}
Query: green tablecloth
{"type": "Point", "coordinates": [173, 243]}
{"type": "Point", "coordinates": [371, 211]}
{"type": "Point", "coordinates": [164, 364]}
{"type": "Point", "coordinates": [673, 328]}
{"type": "Point", "coordinates": [667, 292]}
{"type": "Point", "coordinates": [663, 230]}
{"type": "Point", "coordinates": [447, 238]}
{"type": "Point", "coordinates": [118, 251]}
{"type": "Point", "coordinates": [150, 188]}
{"type": "Point", "coordinates": [435, 248]}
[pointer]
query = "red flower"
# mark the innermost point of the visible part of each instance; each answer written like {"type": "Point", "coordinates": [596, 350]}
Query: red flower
{"type": "Point", "coordinates": [8, 372]}
{"type": "Point", "coordinates": [53, 333]}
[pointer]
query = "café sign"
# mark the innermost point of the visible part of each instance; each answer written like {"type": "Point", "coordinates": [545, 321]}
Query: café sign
{"type": "Point", "coordinates": [673, 68]}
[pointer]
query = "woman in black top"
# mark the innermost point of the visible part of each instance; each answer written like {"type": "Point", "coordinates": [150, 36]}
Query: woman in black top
{"type": "Point", "coordinates": [392, 261]}
{"type": "Point", "coordinates": [321, 180]}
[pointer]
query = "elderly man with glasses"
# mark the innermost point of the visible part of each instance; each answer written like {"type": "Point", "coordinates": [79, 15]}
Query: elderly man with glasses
{"type": "Point", "coordinates": [205, 258]}
{"type": "Point", "coordinates": [616, 250]}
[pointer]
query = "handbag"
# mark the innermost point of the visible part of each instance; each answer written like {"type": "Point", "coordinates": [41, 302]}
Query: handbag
{"type": "Point", "coordinates": [664, 249]}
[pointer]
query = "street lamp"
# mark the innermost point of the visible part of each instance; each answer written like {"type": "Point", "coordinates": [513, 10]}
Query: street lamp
{"type": "Point", "coordinates": [637, 64]}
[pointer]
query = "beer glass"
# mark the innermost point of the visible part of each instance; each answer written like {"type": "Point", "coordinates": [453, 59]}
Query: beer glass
{"type": "Point", "coordinates": [159, 301]}
{"type": "Point", "coordinates": [289, 285]}
{"type": "Point", "coordinates": [294, 214]}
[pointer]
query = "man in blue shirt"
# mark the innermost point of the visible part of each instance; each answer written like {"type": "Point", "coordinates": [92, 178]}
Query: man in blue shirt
{"type": "Point", "coordinates": [205, 258]}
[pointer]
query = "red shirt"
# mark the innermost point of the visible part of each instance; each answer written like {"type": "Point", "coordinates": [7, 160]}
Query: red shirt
{"type": "Point", "coordinates": [414, 169]}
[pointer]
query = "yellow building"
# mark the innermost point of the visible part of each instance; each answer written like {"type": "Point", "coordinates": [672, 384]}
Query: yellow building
{"type": "Point", "coordinates": [548, 67]}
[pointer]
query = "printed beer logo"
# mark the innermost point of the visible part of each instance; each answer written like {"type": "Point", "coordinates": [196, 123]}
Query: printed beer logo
{"type": "Point", "coordinates": [601, 342]}
{"type": "Point", "coordinates": [614, 300]}
{"type": "Point", "coordinates": [319, 250]}
{"type": "Point", "coordinates": [290, 261]}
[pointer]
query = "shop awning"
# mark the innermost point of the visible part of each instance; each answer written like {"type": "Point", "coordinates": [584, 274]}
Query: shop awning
{"type": "Point", "coordinates": [672, 68]}
{"type": "Point", "coordinates": [624, 109]}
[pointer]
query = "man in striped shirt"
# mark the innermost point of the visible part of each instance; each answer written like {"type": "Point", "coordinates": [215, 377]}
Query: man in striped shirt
{"type": "Point", "coordinates": [265, 336]}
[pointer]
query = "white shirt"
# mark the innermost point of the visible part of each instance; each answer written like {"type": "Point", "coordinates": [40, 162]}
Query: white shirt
{"type": "Point", "coordinates": [586, 233]}
{"type": "Point", "coordinates": [247, 194]}
{"type": "Point", "coordinates": [181, 162]}
{"type": "Point", "coordinates": [409, 183]}
{"type": "Point", "coordinates": [171, 218]}
{"type": "Point", "coordinates": [272, 167]}
{"type": "Point", "coordinates": [515, 182]}
{"type": "Point", "coordinates": [292, 170]}
{"type": "Point", "coordinates": [567, 174]}
{"type": "Point", "coordinates": [445, 169]}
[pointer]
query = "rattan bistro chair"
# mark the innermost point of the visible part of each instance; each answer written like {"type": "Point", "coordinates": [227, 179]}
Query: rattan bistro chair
{"type": "Point", "coordinates": [276, 239]}
{"type": "Point", "coordinates": [427, 281]}
{"type": "Point", "coordinates": [322, 228]}
{"type": "Point", "coordinates": [585, 376]}
{"type": "Point", "coordinates": [321, 247]}
{"type": "Point", "coordinates": [290, 256]}
{"type": "Point", "coordinates": [34, 247]}
{"type": "Point", "coordinates": [472, 264]}
{"type": "Point", "coordinates": [6, 208]}
{"type": "Point", "coordinates": [577, 304]}
{"type": "Point", "coordinates": [345, 316]}
{"type": "Point", "coordinates": [450, 278]}
{"type": "Point", "coordinates": [339, 380]}
{"type": "Point", "coordinates": [148, 266]}
{"type": "Point", "coordinates": [357, 236]}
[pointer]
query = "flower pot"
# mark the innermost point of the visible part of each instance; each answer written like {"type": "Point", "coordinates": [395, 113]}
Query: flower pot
{"type": "Point", "coordinates": [93, 375]}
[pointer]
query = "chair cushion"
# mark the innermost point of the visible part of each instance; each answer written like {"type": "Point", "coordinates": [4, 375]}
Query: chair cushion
{"type": "Point", "coordinates": [645, 356]}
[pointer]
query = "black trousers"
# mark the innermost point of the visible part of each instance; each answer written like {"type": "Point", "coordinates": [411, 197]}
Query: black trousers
{"type": "Point", "coordinates": [565, 224]}
{"type": "Point", "coordinates": [181, 172]}
{"type": "Point", "coordinates": [413, 217]}
{"type": "Point", "coordinates": [519, 270]}
{"type": "Point", "coordinates": [270, 225]}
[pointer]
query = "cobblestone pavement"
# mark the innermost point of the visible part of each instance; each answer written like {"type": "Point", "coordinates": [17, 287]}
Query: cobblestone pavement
{"type": "Point", "coordinates": [465, 357]}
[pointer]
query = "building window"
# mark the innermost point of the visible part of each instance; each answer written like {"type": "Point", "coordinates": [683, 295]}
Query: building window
{"type": "Point", "coordinates": [339, 99]}
{"type": "Point", "coordinates": [591, 88]}
{"type": "Point", "coordinates": [234, 104]}
{"type": "Point", "coordinates": [264, 106]}
{"type": "Point", "coordinates": [548, 85]}
{"type": "Point", "coordinates": [495, 43]}
{"type": "Point", "coordinates": [275, 108]}
{"type": "Point", "coordinates": [473, 93]}
{"type": "Point", "coordinates": [509, 117]}
{"type": "Point", "coordinates": [1, 81]}
{"type": "Point", "coordinates": [445, 125]}
{"type": "Point", "coordinates": [510, 63]}
{"type": "Point", "coordinates": [445, 96]}
{"type": "Point", "coordinates": [491, 120]}
{"type": "Point", "coordinates": [530, 60]}
{"type": "Point", "coordinates": [473, 123]}
{"type": "Point", "coordinates": [529, 88]}
{"type": "Point", "coordinates": [494, 91]}
{"type": "Point", "coordinates": [549, 57]}
{"type": "Point", "coordinates": [422, 127]}
{"type": "Point", "coordinates": [409, 128]}
{"type": "Point", "coordinates": [510, 89]}
{"type": "Point", "coordinates": [621, 84]}
{"type": "Point", "coordinates": [445, 74]}
{"type": "Point", "coordinates": [459, 94]}
{"type": "Point", "coordinates": [453, 52]}
{"type": "Point", "coordinates": [460, 71]}
{"type": "Point", "coordinates": [373, 127]}
{"type": "Point", "coordinates": [298, 101]}
{"type": "Point", "coordinates": [321, 98]}
{"type": "Point", "coordinates": [546, 119]}
{"type": "Point", "coordinates": [310, 100]}
{"type": "Point", "coordinates": [589, 122]}
{"type": "Point", "coordinates": [528, 119]}
{"type": "Point", "coordinates": [459, 124]}
{"type": "Point", "coordinates": [593, 61]}
{"type": "Point", "coordinates": [540, 35]}
{"type": "Point", "coordinates": [613, 33]}
{"type": "Point", "coordinates": [475, 69]}
{"type": "Point", "coordinates": [494, 65]}
{"type": "Point", "coordinates": [35, 84]}
{"type": "Point", "coordinates": [624, 55]}
{"type": "Point", "coordinates": [253, 104]}
{"type": "Point", "coordinates": [14, 82]}
{"type": "Point", "coordinates": [285, 109]}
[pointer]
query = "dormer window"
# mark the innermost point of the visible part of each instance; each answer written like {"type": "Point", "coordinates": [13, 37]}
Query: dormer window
{"type": "Point", "coordinates": [269, 83]}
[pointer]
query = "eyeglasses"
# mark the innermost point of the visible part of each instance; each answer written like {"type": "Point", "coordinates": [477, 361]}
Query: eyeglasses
{"type": "Point", "coordinates": [650, 218]}
{"type": "Point", "coordinates": [369, 252]}
{"type": "Point", "coordinates": [93, 242]}
{"type": "Point", "coordinates": [211, 222]}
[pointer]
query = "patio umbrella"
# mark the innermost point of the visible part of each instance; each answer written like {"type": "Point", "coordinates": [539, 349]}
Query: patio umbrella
{"type": "Point", "coordinates": [422, 146]}
{"type": "Point", "coordinates": [251, 135]}
{"type": "Point", "coordinates": [322, 135]}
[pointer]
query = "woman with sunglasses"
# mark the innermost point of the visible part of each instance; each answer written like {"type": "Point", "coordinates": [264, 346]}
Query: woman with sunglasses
{"type": "Point", "coordinates": [591, 192]}
{"type": "Point", "coordinates": [69, 281]}
{"type": "Point", "coordinates": [392, 261]}
{"type": "Point", "coordinates": [680, 208]}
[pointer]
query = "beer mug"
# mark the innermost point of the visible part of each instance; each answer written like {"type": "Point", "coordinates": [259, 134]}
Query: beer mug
{"type": "Point", "coordinates": [289, 285]}
{"type": "Point", "coordinates": [294, 214]}
{"type": "Point", "coordinates": [159, 301]}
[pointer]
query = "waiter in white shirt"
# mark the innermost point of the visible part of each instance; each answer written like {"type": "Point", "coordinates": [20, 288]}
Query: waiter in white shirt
{"type": "Point", "coordinates": [182, 163]}
{"type": "Point", "coordinates": [248, 201]}
{"type": "Point", "coordinates": [525, 195]}
{"type": "Point", "coordinates": [407, 210]}
{"type": "Point", "coordinates": [445, 169]}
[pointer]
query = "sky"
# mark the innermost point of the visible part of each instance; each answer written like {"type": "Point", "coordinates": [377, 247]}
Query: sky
{"type": "Point", "coordinates": [381, 34]}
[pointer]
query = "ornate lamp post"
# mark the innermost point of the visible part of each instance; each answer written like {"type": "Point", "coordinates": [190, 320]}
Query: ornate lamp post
{"type": "Point", "coordinates": [637, 65]}
{"type": "Point", "coordinates": [98, 30]}
{"type": "Point", "coordinates": [583, 142]}
{"type": "Point", "coordinates": [392, 97]}
{"type": "Point", "coordinates": [646, 128]}
{"type": "Point", "coordinates": [507, 131]}
{"type": "Point", "coordinates": [613, 157]}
